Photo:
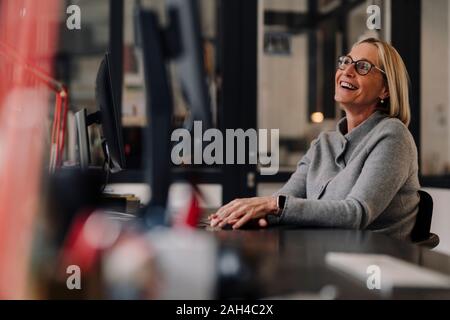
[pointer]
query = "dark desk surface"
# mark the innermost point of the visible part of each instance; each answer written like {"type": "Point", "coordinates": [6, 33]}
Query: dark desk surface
{"type": "Point", "coordinates": [279, 262]}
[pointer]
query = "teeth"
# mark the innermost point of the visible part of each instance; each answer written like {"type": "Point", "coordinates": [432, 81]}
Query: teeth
{"type": "Point", "coordinates": [347, 85]}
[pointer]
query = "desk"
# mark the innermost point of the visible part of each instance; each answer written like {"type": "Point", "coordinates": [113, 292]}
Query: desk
{"type": "Point", "coordinates": [282, 261]}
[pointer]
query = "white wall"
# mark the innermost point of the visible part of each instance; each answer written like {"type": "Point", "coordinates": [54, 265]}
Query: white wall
{"type": "Point", "coordinates": [435, 104]}
{"type": "Point", "coordinates": [435, 87]}
{"type": "Point", "coordinates": [283, 85]}
{"type": "Point", "coordinates": [283, 90]}
{"type": "Point", "coordinates": [441, 217]}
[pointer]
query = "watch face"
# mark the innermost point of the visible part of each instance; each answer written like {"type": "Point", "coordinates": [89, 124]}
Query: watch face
{"type": "Point", "coordinates": [281, 202]}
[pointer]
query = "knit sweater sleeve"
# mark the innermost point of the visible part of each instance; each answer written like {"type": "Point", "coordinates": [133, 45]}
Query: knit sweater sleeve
{"type": "Point", "coordinates": [296, 185]}
{"type": "Point", "coordinates": [385, 171]}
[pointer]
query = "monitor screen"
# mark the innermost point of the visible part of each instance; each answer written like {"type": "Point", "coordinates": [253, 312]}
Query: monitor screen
{"type": "Point", "coordinates": [110, 115]}
{"type": "Point", "coordinates": [181, 44]}
{"type": "Point", "coordinates": [189, 62]}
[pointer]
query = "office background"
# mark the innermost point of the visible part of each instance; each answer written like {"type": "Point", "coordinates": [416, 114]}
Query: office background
{"type": "Point", "coordinates": [270, 64]}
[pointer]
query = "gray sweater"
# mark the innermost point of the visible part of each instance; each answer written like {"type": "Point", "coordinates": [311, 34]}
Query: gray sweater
{"type": "Point", "coordinates": [367, 179]}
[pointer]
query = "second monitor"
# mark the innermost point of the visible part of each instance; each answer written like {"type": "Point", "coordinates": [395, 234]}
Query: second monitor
{"type": "Point", "coordinates": [109, 116]}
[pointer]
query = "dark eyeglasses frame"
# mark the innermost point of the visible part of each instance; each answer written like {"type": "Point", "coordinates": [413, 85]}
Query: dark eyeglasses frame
{"type": "Point", "coordinates": [355, 62]}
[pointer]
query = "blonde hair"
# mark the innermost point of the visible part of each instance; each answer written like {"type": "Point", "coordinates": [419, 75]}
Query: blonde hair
{"type": "Point", "coordinates": [397, 105]}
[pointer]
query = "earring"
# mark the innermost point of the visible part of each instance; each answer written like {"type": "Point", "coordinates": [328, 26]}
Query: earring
{"type": "Point", "coordinates": [382, 101]}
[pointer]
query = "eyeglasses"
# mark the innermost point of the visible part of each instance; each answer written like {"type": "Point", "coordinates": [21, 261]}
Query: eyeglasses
{"type": "Point", "coordinates": [362, 67]}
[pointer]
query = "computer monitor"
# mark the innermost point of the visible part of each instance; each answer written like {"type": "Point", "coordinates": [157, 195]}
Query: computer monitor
{"type": "Point", "coordinates": [159, 104]}
{"type": "Point", "coordinates": [110, 113]}
{"type": "Point", "coordinates": [108, 116]}
{"type": "Point", "coordinates": [190, 68]}
{"type": "Point", "coordinates": [84, 151]}
{"type": "Point", "coordinates": [180, 43]}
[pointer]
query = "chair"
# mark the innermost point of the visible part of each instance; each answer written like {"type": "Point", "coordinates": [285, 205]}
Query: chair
{"type": "Point", "coordinates": [421, 232]}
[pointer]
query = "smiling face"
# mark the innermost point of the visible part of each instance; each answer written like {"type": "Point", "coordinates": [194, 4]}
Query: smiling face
{"type": "Point", "coordinates": [355, 91]}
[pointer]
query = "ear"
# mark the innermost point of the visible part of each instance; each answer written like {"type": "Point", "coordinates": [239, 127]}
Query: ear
{"type": "Point", "coordinates": [384, 94]}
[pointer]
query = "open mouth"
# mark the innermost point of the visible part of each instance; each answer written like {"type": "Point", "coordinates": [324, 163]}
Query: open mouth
{"type": "Point", "coordinates": [347, 85]}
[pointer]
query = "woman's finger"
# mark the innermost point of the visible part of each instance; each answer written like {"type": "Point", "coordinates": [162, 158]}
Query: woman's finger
{"type": "Point", "coordinates": [246, 218]}
{"type": "Point", "coordinates": [231, 222]}
{"type": "Point", "coordinates": [225, 210]}
{"type": "Point", "coordinates": [255, 212]}
{"type": "Point", "coordinates": [222, 218]}
{"type": "Point", "coordinates": [218, 216]}
{"type": "Point", "coordinates": [236, 214]}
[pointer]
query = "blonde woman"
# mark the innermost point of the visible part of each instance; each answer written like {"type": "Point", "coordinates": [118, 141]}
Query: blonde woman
{"type": "Point", "coordinates": [364, 175]}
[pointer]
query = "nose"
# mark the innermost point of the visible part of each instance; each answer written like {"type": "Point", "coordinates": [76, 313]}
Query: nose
{"type": "Point", "coordinates": [349, 70]}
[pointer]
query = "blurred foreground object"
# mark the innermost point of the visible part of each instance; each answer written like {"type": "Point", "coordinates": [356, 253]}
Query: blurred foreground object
{"type": "Point", "coordinates": [162, 264]}
{"type": "Point", "coordinates": [30, 28]}
{"type": "Point", "coordinates": [12, 58]}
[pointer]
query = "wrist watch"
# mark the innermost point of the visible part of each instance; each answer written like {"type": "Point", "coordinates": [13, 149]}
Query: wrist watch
{"type": "Point", "coordinates": [281, 201]}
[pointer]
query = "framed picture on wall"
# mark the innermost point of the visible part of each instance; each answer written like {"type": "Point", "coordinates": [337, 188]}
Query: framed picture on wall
{"type": "Point", "coordinates": [325, 6]}
{"type": "Point", "coordinates": [277, 43]}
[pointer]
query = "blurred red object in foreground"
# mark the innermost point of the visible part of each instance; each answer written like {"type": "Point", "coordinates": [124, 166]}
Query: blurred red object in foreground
{"type": "Point", "coordinates": [194, 212]}
{"type": "Point", "coordinates": [61, 102]}
{"type": "Point", "coordinates": [30, 28]}
{"type": "Point", "coordinates": [89, 235]}
{"type": "Point", "coordinates": [189, 217]}
{"type": "Point", "coordinates": [76, 250]}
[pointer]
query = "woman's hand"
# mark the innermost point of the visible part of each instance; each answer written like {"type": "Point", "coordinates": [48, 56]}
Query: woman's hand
{"type": "Point", "coordinates": [240, 211]}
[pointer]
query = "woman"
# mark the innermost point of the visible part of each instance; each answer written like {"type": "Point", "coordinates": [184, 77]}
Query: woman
{"type": "Point", "coordinates": [364, 175]}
